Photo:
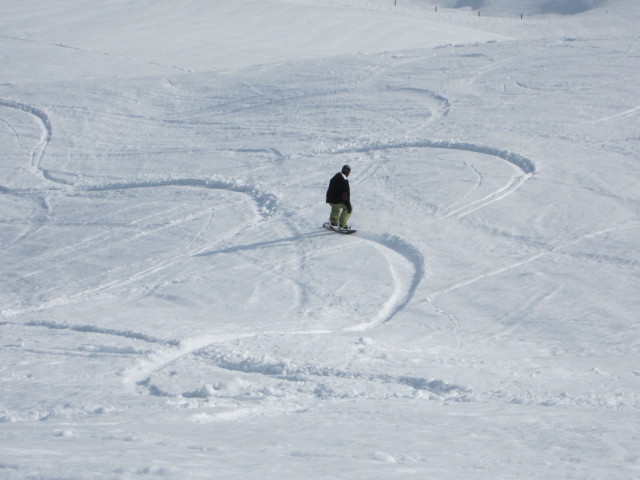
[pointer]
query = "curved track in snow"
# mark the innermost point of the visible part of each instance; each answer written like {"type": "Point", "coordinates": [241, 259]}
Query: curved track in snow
{"type": "Point", "coordinates": [266, 205]}
{"type": "Point", "coordinates": [405, 288]}
{"type": "Point", "coordinates": [406, 263]}
{"type": "Point", "coordinates": [41, 116]}
{"type": "Point", "coordinates": [387, 245]}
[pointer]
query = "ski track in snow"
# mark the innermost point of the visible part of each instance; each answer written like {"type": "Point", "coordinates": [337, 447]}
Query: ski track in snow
{"type": "Point", "coordinates": [621, 115]}
{"type": "Point", "coordinates": [37, 153]}
{"type": "Point", "coordinates": [403, 292]}
{"type": "Point", "coordinates": [386, 244]}
{"type": "Point", "coordinates": [266, 204]}
{"type": "Point", "coordinates": [405, 285]}
{"type": "Point", "coordinates": [130, 334]}
{"type": "Point", "coordinates": [268, 373]}
{"type": "Point", "coordinates": [524, 167]}
{"type": "Point", "coordinates": [548, 251]}
{"type": "Point", "coordinates": [316, 380]}
{"type": "Point", "coordinates": [296, 373]}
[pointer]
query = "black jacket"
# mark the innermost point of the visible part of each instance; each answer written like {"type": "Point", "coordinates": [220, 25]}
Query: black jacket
{"type": "Point", "coordinates": [339, 191]}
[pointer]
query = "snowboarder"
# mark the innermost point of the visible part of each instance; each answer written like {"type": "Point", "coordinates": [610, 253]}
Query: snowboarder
{"type": "Point", "coordinates": [339, 198]}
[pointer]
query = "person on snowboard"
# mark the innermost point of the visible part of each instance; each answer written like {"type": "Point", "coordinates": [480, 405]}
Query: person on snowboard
{"type": "Point", "coordinates": [339, 198]}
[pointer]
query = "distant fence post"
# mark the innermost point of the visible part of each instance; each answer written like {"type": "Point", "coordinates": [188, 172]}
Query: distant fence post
{"type": "Point", "coordinates": [436, 8]}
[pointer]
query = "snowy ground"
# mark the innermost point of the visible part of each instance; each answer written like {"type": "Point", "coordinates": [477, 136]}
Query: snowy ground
{"type": "Point", "coordinates": [171, 308]}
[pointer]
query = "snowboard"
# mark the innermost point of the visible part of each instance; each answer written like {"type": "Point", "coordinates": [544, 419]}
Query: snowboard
{"type": "Point", "coordinates": [328, 226]}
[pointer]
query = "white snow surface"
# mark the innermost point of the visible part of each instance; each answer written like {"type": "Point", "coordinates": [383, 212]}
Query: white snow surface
{"type": "Point", "coordinates": [170, 306]}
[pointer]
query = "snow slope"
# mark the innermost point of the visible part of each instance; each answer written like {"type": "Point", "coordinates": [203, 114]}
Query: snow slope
{"type": "Point", "coordinates": [171, 307]}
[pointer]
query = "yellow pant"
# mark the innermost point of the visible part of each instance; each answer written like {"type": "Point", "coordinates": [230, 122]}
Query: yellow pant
{"type": "Point", "coordinates": [339, 214]}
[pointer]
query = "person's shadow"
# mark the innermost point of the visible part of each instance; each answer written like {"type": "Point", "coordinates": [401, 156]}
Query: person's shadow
{"type": "Point", "coordinates": [280, 242]}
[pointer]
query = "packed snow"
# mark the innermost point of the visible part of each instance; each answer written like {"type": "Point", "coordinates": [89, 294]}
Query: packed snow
{"type": "Point", "coordinates": [170, 306]}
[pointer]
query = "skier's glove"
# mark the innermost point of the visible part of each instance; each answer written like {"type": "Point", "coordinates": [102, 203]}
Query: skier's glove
{"type": "Point", "coordinates": [348, 205]}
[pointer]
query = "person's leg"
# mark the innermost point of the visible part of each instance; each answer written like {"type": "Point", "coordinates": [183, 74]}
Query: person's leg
{"type": "Point", "coordinates": [344, 217]}
{"type": "Point", "coordinates": [335, 213]}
